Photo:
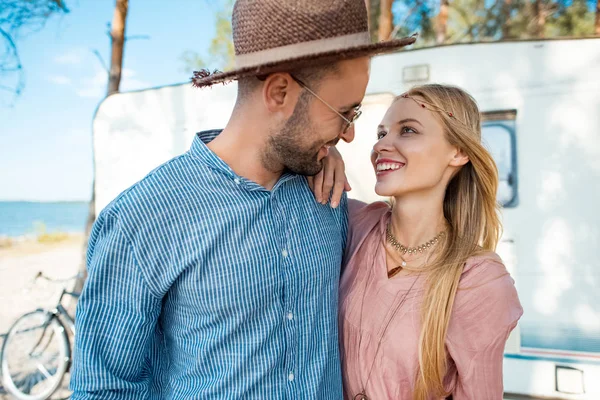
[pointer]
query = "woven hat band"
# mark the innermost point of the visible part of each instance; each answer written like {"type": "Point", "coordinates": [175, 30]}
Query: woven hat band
{"type": "Point", "coordinates": [302, 49]}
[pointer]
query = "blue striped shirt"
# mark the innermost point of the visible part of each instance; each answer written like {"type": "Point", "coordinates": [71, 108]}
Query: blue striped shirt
{"type": "Point", "coordinates": [204, 285]}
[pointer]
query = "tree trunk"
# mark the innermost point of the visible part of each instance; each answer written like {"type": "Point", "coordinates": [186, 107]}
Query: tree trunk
{"type": "Point", "coordinates": [539, 19]}
{"type": "Point", "coordinates": [374, 12]}
{"type": "Point", "coordinates": [442, 20]}
{"type": "Point", "coordinates": [597, 30]}
{"type": "Point", "coordinates": [386, 24]}
{"type": "Point", "coordinates": [117, 36]}
{"type": "Point", "coordinates": [506, 6]}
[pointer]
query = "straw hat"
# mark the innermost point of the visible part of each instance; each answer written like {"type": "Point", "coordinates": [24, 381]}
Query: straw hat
{"type": "Point", "coordinates": [282, 35]}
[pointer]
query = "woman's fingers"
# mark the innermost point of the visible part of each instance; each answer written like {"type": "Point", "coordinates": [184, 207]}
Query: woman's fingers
{"type": "Point", "coordinates": [329, 172]}
{"type": "Point", "coordinates": [339, 184]}
{"type": "Point", "coordinates": [318, 186]}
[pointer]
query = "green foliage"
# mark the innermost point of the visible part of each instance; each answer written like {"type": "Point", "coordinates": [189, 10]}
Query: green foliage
{"type": "Point", "coordinates": [191, 61]}
{"type": "Point", "coordinates": [221, 52]}
{"type": "Point", "coordinates": [221, 48]}
{"type": "Point", "coordinates": [43, 236]}
{"type": "Point", "coordinates": [573, 20]}
{"type": "Point", "coordinates": [54, 237]}
{"type": "Point", "coordinates": [489, 20]}
{"type": "Point", "coordinates": [468, 21]}
{"type": "Point", "coordinates": [5, 242]}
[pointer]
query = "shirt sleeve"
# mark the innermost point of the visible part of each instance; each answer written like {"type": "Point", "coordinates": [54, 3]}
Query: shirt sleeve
{"type": "Point", "coordinates": [487, 309]}
{"type": "Point", "coordinates": [115, 320]}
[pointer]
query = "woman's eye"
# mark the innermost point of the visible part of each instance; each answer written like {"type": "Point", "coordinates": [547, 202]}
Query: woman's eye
{"type": "Point", "coordinates": [380, 135]}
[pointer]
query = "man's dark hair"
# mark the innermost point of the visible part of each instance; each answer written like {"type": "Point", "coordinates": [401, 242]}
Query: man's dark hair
{"type": "Point", "coordinates": [311, 76]}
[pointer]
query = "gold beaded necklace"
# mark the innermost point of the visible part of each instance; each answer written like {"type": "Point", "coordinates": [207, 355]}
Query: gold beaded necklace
{"type": "Point", "coordinates": [412, 250]}
{"type": "Point", "coordinates": [403, 250]}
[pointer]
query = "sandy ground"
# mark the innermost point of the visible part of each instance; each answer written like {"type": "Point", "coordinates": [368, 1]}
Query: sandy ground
{"type": "Point", "coordinates": [20, 292]}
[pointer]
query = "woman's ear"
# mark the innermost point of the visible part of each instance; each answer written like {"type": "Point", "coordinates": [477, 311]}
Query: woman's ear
{"type": "Point", "coordinates": [460, 158]}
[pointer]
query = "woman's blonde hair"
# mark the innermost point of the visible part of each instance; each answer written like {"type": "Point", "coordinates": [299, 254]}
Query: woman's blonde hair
{"type": "Point", "coordinates": [471, 209]}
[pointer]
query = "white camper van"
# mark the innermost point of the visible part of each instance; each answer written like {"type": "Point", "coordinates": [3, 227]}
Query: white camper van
{"type": "Point", "coordinates": [541, 102]}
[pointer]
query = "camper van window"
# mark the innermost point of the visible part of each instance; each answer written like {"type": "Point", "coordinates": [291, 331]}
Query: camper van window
{"type": "Point", "coordinates": [499, 138]}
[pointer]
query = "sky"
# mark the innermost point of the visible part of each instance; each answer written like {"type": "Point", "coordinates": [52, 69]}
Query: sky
{"type": "Point", "coordinates": [45, 135]}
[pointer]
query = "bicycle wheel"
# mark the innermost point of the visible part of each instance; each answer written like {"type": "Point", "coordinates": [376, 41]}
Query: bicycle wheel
{"type": "Point", "coordinates": [35, 356]}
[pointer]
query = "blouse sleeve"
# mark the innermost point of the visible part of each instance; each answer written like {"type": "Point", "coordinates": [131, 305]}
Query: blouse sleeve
{"type": "Point", "coordinates": [486, 310]}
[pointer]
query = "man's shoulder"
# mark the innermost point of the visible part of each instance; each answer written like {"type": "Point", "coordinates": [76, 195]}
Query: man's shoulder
{"type": "Point", "coordinates": [166, 189]}
{"type": "Point", "coordinates": [160, 215]}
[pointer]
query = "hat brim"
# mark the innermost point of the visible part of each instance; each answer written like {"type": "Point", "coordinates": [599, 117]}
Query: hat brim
{"type": "Point", "coordinates": [305, 61]}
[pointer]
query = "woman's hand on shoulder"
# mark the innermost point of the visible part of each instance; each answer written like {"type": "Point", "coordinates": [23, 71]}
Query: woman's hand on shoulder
{"type": "Point", "coordinates": [331, 182]}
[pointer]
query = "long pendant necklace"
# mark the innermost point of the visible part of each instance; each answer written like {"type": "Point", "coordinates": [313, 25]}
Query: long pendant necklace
{"type": "Point", "coordinates": [362, 395]}
{"type": "Point", "coordinates": [392, 272]}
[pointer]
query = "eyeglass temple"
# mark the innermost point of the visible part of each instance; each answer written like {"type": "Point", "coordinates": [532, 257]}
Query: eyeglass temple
{"type": "Point", "coordinates": [322, 101]}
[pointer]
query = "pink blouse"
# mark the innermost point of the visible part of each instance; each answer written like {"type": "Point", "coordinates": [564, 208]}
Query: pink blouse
{"type": "Point", "coordinates": [486, 310]}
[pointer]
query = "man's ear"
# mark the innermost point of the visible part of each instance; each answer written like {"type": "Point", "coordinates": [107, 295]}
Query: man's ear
{"type": "Point", "coordinates": [280, 94]}
{"type": "Point", "coordinates": [459, 159]}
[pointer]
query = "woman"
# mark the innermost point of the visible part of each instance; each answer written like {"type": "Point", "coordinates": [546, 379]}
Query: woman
{"type": "Point", "coordinates": [426, 306]}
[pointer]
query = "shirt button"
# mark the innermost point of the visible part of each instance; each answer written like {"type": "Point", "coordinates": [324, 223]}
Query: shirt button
{"type": "Point", "coordinates": [237, 181]}
{"type": "Point", "coordinates": [290, 316]}
{"type": "Point", "coordinates": [291, 377]}
{"type": "Point", "coordinates": [284, 253]}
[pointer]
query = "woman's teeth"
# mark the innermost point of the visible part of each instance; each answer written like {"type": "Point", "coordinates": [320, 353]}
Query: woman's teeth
{"type": "Point", "coordinates": [388, 166]}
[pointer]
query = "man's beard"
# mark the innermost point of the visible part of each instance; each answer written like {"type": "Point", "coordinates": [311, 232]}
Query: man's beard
{"type": "Point", "coordinates": [288, 147]}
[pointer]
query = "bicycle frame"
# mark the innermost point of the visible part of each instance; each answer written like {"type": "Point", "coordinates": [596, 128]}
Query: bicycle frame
{"type": "Point", "coordinates": [48, 327]}
{"type": "Point", "coordinates": [61, 312]}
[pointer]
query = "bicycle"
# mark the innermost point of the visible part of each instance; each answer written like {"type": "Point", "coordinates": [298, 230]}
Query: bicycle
{"type": "Point", "coordinates": [36, 353]}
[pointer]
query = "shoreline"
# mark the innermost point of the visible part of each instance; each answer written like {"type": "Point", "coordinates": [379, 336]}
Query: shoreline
{"type": "Point", "coordinates": [19, 265]}
{"type": "Point", "coordinates": [37, 243]}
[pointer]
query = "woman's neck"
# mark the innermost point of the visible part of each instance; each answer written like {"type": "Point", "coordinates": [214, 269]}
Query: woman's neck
{"type": "Point", "coordinates": [417, 218]}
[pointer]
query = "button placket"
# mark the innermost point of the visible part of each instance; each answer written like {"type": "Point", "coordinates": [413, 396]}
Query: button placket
{"type": "Point", "coordinates": [290, 284]}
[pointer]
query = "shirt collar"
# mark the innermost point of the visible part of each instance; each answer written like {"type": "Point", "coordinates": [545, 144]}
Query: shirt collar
{"type": "Point", "coordinates": [200, 150]}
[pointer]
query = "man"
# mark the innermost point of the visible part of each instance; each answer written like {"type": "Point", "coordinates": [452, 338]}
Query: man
{"type": "Point", "coordinates": [216, 276]}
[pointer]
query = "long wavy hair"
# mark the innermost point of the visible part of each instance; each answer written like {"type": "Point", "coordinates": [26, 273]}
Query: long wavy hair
{"type": "Point", "coordinates": [472, 212]}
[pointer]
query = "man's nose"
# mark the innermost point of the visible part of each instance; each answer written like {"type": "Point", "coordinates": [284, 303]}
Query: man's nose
{"type": "Point", "coordinates": [348, 136]}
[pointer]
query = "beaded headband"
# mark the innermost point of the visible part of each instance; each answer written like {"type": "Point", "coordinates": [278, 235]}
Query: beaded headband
{"type": "Point", "coordinates": [433, 106]}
